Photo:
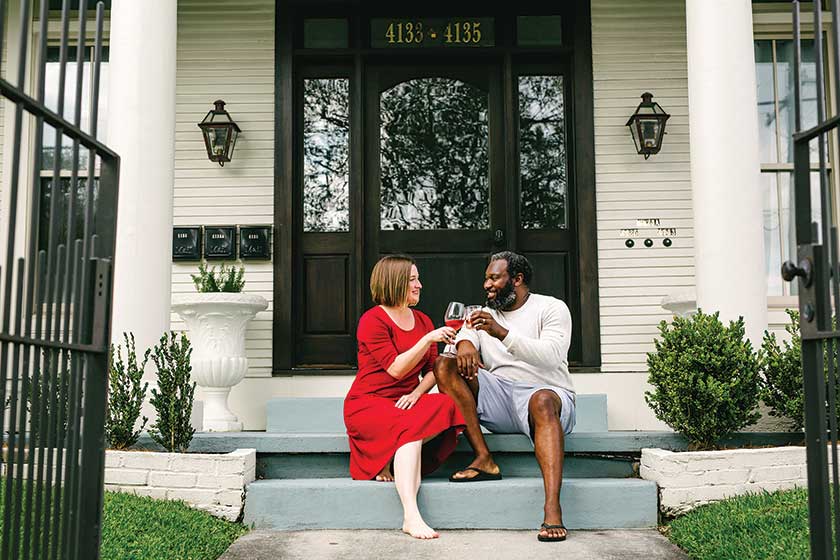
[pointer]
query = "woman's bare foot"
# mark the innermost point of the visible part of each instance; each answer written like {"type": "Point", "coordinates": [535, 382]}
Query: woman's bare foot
{"type": "Point", "coordinates": [418, 529]}
{"type": "Point", "coordinates": [385, 474]}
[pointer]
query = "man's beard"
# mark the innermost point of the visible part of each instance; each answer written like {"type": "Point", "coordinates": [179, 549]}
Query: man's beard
{"type": "Point", "coordinates": [505, 298]}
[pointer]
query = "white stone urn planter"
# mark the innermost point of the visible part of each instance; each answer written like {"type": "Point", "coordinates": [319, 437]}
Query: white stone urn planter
{"type": "Point", "coordinates": [216, 324]}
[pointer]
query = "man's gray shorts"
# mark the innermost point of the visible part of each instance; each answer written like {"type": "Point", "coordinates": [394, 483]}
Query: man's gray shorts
{"type": "Point", "coordinates": [503, 404]}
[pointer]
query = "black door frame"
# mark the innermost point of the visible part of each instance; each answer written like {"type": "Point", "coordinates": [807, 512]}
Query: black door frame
{"type": "Point", "coordinates": [577, 24]}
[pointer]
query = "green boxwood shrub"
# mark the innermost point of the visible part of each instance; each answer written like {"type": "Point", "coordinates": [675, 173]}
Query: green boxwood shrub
{"type": "Point", "coordinates": [705, 378]}
{"type": "Point", "coordinates": [173, 398]}
{"type": "Point", "coordinates": [781, 365]}
{"type": "Point", "coordinates": [126, 392]}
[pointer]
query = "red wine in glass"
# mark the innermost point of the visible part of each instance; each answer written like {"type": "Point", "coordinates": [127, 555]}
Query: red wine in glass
{"type": "Point", "coordinates": [454, 317]}
{"type": "Point", "coordinates": [455, 323]}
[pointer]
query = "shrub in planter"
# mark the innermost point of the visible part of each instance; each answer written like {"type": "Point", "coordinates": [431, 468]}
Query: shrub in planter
{"type": "Point", "coordinates": [228, 279]}
{"type": "Point", "coordinates": [126, 392]}
{"type": "Point", "coordinates": [173, 398]}
{"type": "Point", "coordinates": [705, 378]}
{"type": "Point", "coordinates": [782, 388]}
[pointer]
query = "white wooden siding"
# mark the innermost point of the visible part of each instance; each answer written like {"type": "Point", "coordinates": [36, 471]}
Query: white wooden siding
{"type": "Point", "coordinates": [228, 54]}
{"type": "Point", "coordinates": [632, 282]}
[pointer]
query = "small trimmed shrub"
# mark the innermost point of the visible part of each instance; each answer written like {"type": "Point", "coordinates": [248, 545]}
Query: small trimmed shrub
{"type": "Point", "coordinates": [228, 279]}
{"type": "Point", "coordinates": [782, 388]}
{"type": "Point", "coordinates": [705, 378]}
{"type": "Point", "coordinates": [173, 398]}
{"type": "Point", "coordinates": [126, 392]}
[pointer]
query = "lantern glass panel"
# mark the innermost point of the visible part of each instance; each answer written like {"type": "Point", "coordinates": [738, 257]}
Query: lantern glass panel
{"type": "Point", "coordinates": [650, 132]}
{"type": "Point", "coordinates": [235, 135]}
{"type": "Point", "coordinates": [634, 131]}
{"type": "Point", "coordinates": [218, 140]}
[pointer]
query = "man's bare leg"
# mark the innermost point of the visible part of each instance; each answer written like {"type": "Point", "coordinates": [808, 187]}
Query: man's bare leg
{"type": "Point", "coordinates": [544, 417]}
{"type": "Point", "coordinates": [464, 393]}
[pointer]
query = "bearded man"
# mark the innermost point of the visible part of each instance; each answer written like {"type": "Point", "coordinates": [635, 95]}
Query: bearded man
{"type": "Point", "coordinates": [511, 375]}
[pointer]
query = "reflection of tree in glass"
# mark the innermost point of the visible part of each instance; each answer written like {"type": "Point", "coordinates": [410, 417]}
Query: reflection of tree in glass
{"type": "Point", "coordinates": [62, 207]}
{"type": "Point", "coordinates": [326, 158]}
{"type": "Point", "coordinates": [542, 148]}
{"type": "Point", "coordinates": [434, 160]}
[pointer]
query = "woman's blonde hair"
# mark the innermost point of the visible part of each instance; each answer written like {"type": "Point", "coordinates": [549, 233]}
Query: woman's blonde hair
{"type": "Point", "coordinates": [389, 280]}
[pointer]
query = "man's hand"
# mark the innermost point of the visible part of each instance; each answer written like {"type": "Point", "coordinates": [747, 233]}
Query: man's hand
{"type": "Point", "coordinates": [468, 360]}
{"type": "Point", "coordinates": [483, 321]}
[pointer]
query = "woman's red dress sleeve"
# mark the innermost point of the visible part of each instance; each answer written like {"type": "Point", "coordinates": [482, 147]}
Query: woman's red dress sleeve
{"type": "Point", "coordinates": [375, 337]}
{"type": "Point", "coordinates": [432, 354]}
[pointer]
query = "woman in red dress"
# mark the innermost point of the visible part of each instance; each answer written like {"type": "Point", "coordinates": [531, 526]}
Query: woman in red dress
{"type": "Point", "coordinates": [388, 413]}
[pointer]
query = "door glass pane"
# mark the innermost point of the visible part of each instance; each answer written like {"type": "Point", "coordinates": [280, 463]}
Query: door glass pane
{"type": "Point", "coordinates": [434, 156]}
{"type": "Point", "coordinates": [542, 152]}
{"type": "Point", "coordinates": [326, 155]}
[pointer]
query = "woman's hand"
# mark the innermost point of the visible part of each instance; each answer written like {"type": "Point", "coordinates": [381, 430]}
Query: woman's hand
{"type": "Point", "coordinates": [407, 401]}
{"type": "Point", "coordinates": [443, 334]}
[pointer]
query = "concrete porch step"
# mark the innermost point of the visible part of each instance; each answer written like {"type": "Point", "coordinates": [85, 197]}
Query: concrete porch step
{"type": "Point", "coordinates": [320, 415]}
{"type": "Point", "coordinates": [576, 442]}
{"type": "Point", "coordinates": [337, 465]}
{"type": "Point", "coordinates": [512, 503]}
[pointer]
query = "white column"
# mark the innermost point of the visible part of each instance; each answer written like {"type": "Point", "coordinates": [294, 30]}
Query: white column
{"type": "Point", "coordinates": [725, 172]}
{"type": "Point", "coordinates": [141, 129]}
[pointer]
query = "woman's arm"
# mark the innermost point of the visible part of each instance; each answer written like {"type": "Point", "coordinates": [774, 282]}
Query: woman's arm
{"type": "Point", "coordinates": [426, 383]}
{"type": "Point", "coordinates": [405, 362]}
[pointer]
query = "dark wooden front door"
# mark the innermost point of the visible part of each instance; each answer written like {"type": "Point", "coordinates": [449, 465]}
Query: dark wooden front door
{"type": "Point", "coordinates": [435, 175]}
{"type": "Point", "coordinates": [461, 159]}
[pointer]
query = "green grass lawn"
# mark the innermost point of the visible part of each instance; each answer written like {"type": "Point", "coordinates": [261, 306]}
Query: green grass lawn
{"type": "Point", "coordinates": [748, 527]}
{"type": "Point", "coordinates": [139, 528]}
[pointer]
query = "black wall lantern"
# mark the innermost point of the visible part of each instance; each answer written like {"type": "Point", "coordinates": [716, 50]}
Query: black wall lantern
{"type": "Point", "coordinates": [220, 133]}
{"type": "Point", "coordinates": [647, 125]}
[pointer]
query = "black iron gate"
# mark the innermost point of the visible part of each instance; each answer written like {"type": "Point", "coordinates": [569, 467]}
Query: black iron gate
{"type": "Point", "coordinates": [56, 296]}
{"type": "Point", "coordinates": [818, 270]}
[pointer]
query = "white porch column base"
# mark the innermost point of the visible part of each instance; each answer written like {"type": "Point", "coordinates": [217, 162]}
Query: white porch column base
{"type": "Point", "coordinates": [725, 171]}
{"type": "Point", "coordinates": [141, 129]}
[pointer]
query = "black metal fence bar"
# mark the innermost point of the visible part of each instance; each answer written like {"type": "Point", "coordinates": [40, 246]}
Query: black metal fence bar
{"type": "Point", "coordinates": [817, 260]}
{"type": "Point", "coordinates": [35, 463]}
{"type": "Point", "coordinates": [55, 323]}
{"type": "Point", "coordinates": [11, 509]}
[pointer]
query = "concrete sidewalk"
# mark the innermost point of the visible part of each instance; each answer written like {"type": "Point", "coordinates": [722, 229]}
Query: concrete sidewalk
{"type": "Point", "coordinates": [455, 545]}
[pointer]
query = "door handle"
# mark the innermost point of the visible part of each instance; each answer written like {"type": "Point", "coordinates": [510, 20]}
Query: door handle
{"type": "Point", "coordinates": [498, 236]}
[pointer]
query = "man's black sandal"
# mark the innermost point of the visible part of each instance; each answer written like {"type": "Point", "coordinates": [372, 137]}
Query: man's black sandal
{"type": "Point", "coordinates": [482, 475]}
{"type": "Point", "coordinates": [546, 526]}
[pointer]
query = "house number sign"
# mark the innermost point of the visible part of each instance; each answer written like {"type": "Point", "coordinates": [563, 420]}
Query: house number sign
{"type": "Point", "coordinates": [432, 32]}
